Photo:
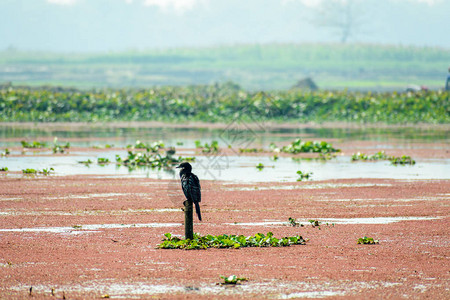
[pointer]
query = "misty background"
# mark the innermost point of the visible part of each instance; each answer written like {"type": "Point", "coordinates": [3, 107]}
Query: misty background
{"type": "Point", "coordinates": [260, 44]}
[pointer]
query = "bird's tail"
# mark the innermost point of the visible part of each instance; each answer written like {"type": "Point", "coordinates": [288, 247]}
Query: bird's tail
{"type": "Point", "coordinates": [197, 210]}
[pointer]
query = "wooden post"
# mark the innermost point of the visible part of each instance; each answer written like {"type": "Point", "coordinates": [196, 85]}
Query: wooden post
{"type": "Point", "coordinates": [188, 220]}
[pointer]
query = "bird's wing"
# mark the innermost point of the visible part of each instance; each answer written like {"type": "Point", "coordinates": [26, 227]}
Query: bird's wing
{"type": "Point", "coordinates": [191, 187]}
{"type": "Point", "coordinates": [195, 188]}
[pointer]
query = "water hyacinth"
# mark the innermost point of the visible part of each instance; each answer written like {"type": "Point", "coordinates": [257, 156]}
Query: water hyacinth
{"type": "Point", "coordinates": [229, 241]}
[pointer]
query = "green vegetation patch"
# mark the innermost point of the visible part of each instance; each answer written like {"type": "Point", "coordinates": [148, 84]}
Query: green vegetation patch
{"type": "Point", "coordinates": [150, 159]}
{"type": "Point", "coordinates": [221, 103]}
{"type": "Point", "coordinates": [300, 146]}
{"type": "Point", "coordinates": [5, 153]}
{"type": "Point", "coordinates": [33, 145]}
{"type": "Point", "coordinates": [401, 160]}
{"type": "Point", "coordinates": [303, 175]}
{"type": "Point", "coordinates": [367, 240]}
{"type": "Point", "coordinates": [260, 166]}
{"type": "Point", "coordinates": [153, 147]}
{"type": "Point", "coordinates": [293, 222]}
{"type": "Point", "coordinates": [229, 241]}
{"type": "Point", "coordinates": [208, 148]}
{"type": "Point", "coordinates": [250, 150]}
{"type": "Point", "coordinates": [30, 171]}
{"type": "Point", "coordinates": [60, 148]}
{"type": "Point", "coordinates": [232, 279]}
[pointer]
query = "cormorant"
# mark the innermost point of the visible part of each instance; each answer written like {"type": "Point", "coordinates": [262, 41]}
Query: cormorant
{"type": "Point", "coordinates": [191, 186]}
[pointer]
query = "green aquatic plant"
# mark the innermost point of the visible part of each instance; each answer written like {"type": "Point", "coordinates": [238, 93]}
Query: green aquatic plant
{"type": "Point", "coordinates": [381, 155]}
{"type": "Point", "coordinates": [299, 146]}
{"type": "Point", "coordinates": [208, 148]}
{"type": "Point", "coordinates": [103, 161]}
{"type": "Point", "coordinates": [221, 102]}
{"type": "Point", "coordinates": [46, 171]}
{"type": "Point", "coordinates": [33, 145]}
{"type": "Point", "coordinates": [303, 175]}
{"type": "Point", "coordinates": [229, 241]}
{"type": "Point", "coordinates": [314, 223]}
{"type": "Point", "coordinates": [260, 166]}
{"type": "Point", "coordinates": [3, 169]}
{"type": "Point", "coordinates": [5, 153]}
{"type": "Point", "coordinates": [29, 171]}
{"type": "Point", "coordinates": [367, 241]}
{"type": "Point", "coordinates": [402, 160]}
{"type": "Point", "coordinates": [232, 279]}
{"type": "Point", "coordinates": [150, 159]}
{"type": "Point", "coordinates": [377, 156]}
{"type": "Point", "coordinates": [60, 148]}
{"type": "Point", "coordinates": [250, 150]}
{"type": "Point", "coordinates": [153, 147]}
{"type": "Point", "coordinates": [86, 162]}
{"type": "Point", "coordinates": [293, 222]}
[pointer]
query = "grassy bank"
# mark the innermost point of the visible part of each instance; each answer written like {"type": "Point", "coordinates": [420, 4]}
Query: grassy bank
{"type": "Point", "coordinates": [220, 103]}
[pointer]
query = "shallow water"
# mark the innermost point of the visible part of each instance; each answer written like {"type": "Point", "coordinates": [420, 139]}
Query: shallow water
{"type": "Point", "coordinates": [272, 289]}
{"type": "Point", "coordinates": [88, 228]}
{"type": "Point", "coordinates": [261, 134]}
{"type": "Point", "coordinates": [236, 167]}
{"type": "Point", "coordinates": [323, 222]}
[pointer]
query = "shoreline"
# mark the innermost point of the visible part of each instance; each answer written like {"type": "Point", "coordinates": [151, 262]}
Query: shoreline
{"type": "Point", "coordinates": [222, 125]}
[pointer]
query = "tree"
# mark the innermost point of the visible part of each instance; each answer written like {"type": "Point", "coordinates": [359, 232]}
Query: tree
{"type": "Point", "coordinates": [345, 17]}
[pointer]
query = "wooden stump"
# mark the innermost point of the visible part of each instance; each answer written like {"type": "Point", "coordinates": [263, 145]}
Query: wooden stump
{"type": "Point", "coordinates": [188, 220]}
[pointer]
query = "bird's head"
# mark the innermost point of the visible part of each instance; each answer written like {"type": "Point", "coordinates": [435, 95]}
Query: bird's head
{"type": "Point", "coordinates": [185, 167]}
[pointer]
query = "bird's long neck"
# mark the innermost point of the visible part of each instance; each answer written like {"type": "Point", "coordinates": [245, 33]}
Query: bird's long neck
{"type": "Point", "coordinates": [186, 172]}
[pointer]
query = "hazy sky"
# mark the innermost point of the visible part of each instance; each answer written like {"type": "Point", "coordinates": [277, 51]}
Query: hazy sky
{"type": "Point", "coordinates": [115, 25]}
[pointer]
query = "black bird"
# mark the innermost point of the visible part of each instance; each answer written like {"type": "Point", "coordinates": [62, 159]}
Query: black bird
{"type": "Point", "coordinates": [191, 186]}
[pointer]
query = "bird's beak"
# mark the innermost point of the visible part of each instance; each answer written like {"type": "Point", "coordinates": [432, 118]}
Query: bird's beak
{"type": "Point", "coordinates": [177, 167]}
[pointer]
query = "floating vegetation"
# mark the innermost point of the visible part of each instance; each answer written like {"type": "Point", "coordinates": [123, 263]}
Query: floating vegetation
{"type": "Point", "coordinates": [260, 166]}
{"type": "Point", "coordinates": [60, 148]}
{"type": "Point", "coordinates": [103, 161]}
{"type": "Point", "coordinates": [206, 148]}
{"type": "Point", "coordinates": [315, 223]}
{"type": "Point", "coordinates": [293, 222]}
{"type": "Point", "coordinates": [229, 241]}
{"type": "Point", "coordinates": [232, 279]}
{"type": "Point", "coordinates": [33, 145]}
{"type": "Point", "coordinates": [402, 160]}
{"type": "Point", "coordinates": [3, 169]}
{"type": "Point", "coordinates": [56, 148]}
{"type": "Point", "coordinates": [367, 240]}
{"type": "Point", "coordinates": [381, 155]}
{"type": "Point", "coordinates": [107, 146]}
{"type": "Point", "coordinates": [29, 171]}
{"type": "Point", "coordinates": [34, 171]}
{"type": "Point", "coordinates": [304, 175]}
{"type": "Point", "coordinates": [153, 147]}
{"type": "Point", "coordinates": [5, 153]}
{"type": "Point", "coordinates": [250, 150]}
{"type": "Point", "coordinates": [299, 146]}
{"type": "Point", "coordinates": [86, 162]}
{"type": "Point", "coordinates": [151, 159]}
